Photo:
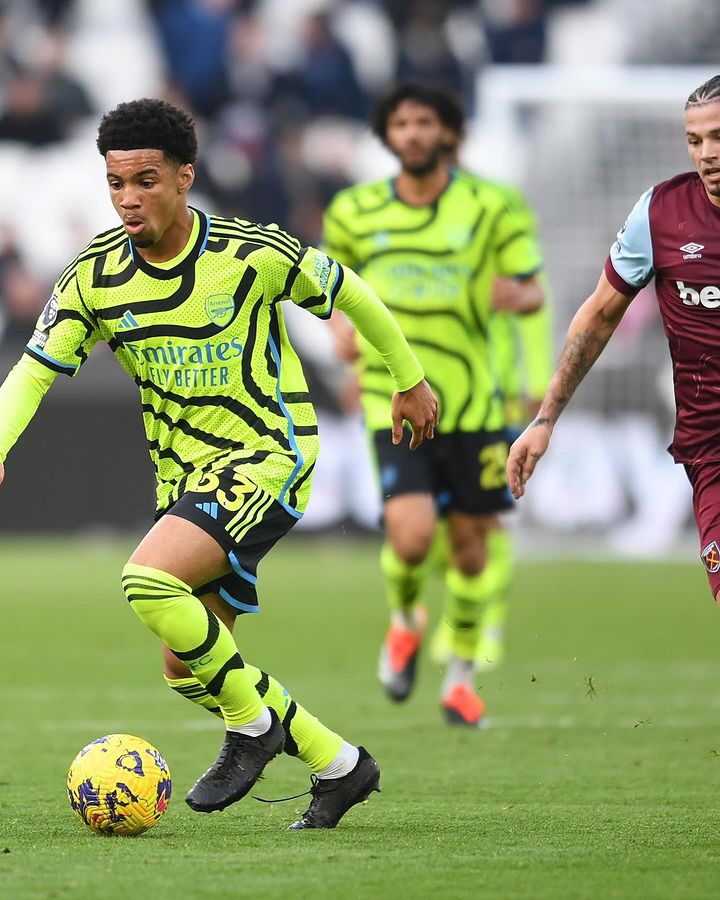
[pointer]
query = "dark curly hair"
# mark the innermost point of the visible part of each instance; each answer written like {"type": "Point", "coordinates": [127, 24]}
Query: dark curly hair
{"type": "Point", "coordinates": [149, 124]}
{"type": "Point", "coordinates": [447, 107]}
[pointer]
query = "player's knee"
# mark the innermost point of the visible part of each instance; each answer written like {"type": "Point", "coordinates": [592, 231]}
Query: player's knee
{"type": "Point", "coordinates": [469, 548]}
{"type": "Point", "coordinates": [154, 596]}
{"type": "Point", "coordinates": [135, 579]}
{"type": "Point", "coordinates": [413, 546]}
{"type": "Point", "coordinates": [127, 580]}
{"type": "Point", "coordinates": [143, 583]}
{"type": "Point", "coordinates": [471, 564]}
{"type": "Point", "coordinates": [469, 555]}
{"type": "Point", "coordinates": [410, 523]}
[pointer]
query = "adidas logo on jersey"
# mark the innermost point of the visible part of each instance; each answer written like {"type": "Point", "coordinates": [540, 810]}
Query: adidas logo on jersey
{"type": "Point", "coordinates": [128, 321]}
{"type": "Point", "coordinates": [709, 296]}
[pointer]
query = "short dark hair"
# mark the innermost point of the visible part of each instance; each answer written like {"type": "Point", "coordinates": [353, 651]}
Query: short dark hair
{"type": "Point", "coordinates": [446, 105]}
{"type": "Point", "coordinates": [707, 92]}
{"type": "Point", "coordinates": [149, 124]}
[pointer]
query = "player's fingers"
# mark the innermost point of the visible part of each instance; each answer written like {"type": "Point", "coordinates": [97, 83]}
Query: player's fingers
{"type": "Point", "coordinates": [514, 473]}
{"type": "Point", "coordinates": [529, 464]}
{"type": "Point", "coordinates": [397, 429]}
{"type": "Point", "coordinates": [516, 488]}
{"type": "Point", "coordinates": [417, 437]}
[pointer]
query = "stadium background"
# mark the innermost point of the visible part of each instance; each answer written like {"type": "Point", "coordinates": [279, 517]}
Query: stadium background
{"type": "Point", "coordinates": [598, 775]}
{"type": "Point", "coordinates": [576, 101]}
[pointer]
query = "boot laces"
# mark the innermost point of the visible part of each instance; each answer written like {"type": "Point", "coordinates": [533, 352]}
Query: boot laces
{"type": "Point", "coordinates": [314, 789]}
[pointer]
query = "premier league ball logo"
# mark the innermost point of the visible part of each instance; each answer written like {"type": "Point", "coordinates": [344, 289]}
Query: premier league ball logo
{"type": "Point", "coordinates": [49, 314]}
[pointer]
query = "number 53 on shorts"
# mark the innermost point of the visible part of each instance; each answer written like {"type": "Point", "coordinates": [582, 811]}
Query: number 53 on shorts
{"type": "Point", "coordinates": [238, 491]}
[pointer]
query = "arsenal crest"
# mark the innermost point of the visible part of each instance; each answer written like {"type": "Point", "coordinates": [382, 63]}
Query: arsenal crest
{"type": "Point", "coordinates": [711, 557]}
{"type": "Point", "coordinates": [220, 309]}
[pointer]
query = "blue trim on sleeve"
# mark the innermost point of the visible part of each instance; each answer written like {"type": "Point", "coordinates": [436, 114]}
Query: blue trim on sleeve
{"type": "Point", "coordinates": [238, 604]}
{"type": "Point", "coordinates": [336, 282]}
{"type": "Point", "coordinates": [291, 434]}
{"type": "Point", "coordinates": [632, 253]}
{"type": "Point", "coordinates": [52, 359]}
{"type": "Point", "coordinates": [331, 294]}
{"type": "Point", "coordinates": [238, 569]}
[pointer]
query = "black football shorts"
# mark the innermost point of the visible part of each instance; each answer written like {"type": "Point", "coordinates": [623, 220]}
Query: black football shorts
{"type": "Point", "coordinates": [245, 520]}
{"type": "Point", "coordinates": [464, 471]}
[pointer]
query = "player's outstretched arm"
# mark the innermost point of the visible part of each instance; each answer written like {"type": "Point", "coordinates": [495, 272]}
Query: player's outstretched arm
{"type": "Point", "coordinates": [413, 400]}
{"type": "Point", "coordinates": [589, 332]}
{"type": "Point", "coordinates": [20, 395]}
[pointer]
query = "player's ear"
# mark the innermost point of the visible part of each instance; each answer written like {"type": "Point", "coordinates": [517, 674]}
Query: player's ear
{"type": "Point", "coordinates": [449, 137]}
{"type": "Point", "coordinates": [185, 178]}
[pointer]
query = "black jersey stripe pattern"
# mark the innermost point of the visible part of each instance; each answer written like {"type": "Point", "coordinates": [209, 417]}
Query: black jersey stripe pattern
{"type": "Point", "coordinates": [99, 247]}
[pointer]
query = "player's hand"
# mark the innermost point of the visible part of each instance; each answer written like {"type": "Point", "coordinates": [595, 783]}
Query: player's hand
{"type": "Point", "coordinates": [505, 295]}
{"type": "Point", "coordinates": [2, 473]}
{"type": "Point", "coordinates": [525, 453]}
{"type": "Point", "coordinates": [419, 407]}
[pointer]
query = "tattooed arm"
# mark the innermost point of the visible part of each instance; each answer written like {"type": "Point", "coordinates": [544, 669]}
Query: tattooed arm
{"type": "Point", "coordinates": [589, 331]}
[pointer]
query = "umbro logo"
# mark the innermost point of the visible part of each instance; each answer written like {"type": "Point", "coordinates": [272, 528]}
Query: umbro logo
{"type": "Point", "coordinates": [692, 250]}
{"type": "Point", "coordinates": [128, 321]}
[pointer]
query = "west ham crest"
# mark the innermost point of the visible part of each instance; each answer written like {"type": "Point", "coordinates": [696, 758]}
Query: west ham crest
{"type": "Point", "coordinates": [711, 557]}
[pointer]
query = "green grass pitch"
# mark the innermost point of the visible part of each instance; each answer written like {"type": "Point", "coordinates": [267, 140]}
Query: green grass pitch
{"type": "Point", "coordinates": [597, 778]}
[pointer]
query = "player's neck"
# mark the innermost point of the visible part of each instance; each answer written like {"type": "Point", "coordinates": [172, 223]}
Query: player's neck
{"type": "Point", "coordinates": [713, 198]}
{"type": "Point", "coordinates": [421, 190]}
{"type": "Point", "coordinates": [173, 242]}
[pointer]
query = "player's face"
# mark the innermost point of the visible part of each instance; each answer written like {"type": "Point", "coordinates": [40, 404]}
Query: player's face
{"type": "Point", "coordinates": [702, 128]}
{"type": "Point", "coordinates": [417, 137]}
{"type": "Point", "coordinates": [148, 192]}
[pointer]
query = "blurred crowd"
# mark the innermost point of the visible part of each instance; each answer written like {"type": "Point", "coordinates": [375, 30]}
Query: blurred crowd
{"type": "Point", "coordinates": [281, 92]}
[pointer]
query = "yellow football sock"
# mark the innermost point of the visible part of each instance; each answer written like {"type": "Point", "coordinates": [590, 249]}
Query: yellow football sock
{"type": "Point", "coordinates": [197, 637]}
{"type": "Point", "coordinates": [464, 607]}
{"type": "Point", "coordinates": [305, 736]}
{"type": "Point", "coordinates": [403, 582]}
